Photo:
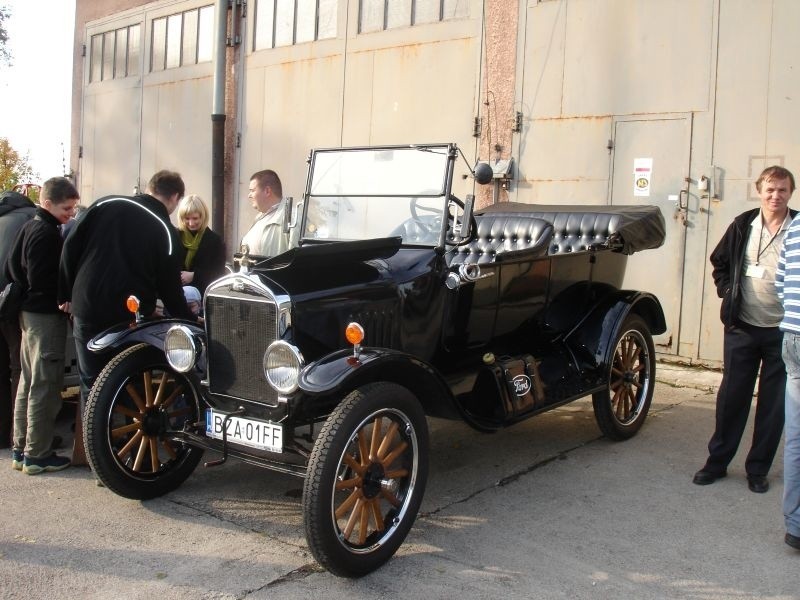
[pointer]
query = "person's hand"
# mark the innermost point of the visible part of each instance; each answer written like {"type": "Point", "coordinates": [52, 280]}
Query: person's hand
{"type": "Point", "coordinates": [66, 307]}
{"type": "Point", "coordinates": [187, 277]}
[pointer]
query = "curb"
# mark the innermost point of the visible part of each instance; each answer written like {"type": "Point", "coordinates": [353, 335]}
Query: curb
{"type": "Point", "coordinates": [687, 376]}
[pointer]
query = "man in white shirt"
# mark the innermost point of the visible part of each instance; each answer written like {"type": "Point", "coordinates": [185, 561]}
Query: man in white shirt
{"type": "Point", "coordinates": [266, 236]}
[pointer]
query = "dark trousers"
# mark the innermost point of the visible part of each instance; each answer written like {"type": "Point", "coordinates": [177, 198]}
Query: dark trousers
{"type": "Point", "coordinates": [89, 363]}
{"type": "Point", "coordinates": [10, 337]}
{"type": "Point", "coordinates": [748, 349]}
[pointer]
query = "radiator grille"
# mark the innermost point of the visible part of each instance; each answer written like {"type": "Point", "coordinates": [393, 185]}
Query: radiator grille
{"type": "Point", "coordinates": [240, 326]}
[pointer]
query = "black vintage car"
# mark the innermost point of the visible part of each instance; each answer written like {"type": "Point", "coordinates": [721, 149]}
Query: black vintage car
{"type": "Point", "coordinates": [396, 301]}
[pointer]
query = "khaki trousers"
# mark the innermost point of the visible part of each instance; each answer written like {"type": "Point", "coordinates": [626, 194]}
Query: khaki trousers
{"type": "Point", "coordinates": [38, 399]}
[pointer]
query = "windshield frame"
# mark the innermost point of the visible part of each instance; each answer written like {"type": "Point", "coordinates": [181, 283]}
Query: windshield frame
{"type": "Point", "coordinates": [318, 189]}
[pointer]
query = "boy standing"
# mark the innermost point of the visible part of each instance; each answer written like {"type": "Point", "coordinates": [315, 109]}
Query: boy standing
{"type": "Point", "coordinates": [34, 263]}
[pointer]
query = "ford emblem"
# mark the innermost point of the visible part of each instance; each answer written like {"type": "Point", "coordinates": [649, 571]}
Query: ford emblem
{"type": "Point", "coordinates": [522, 384]}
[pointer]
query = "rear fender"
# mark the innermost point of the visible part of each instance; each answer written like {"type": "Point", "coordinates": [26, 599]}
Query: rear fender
{"type": "Point", "coordinates": [341, 372]}
{"type": "Point", "coordinates": [593, 339]}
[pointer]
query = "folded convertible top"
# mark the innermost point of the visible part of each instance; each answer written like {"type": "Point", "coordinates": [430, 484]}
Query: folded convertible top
{"type": "Point", "coordinates": [625, 229]}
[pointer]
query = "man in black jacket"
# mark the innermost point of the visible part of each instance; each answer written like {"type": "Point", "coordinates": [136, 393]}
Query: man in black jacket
{"type": "Point", "coordinates": [15, 211]}
{"type": "Point", "coordinates": [744, 263]}
{"type": "Point", "coordinates": [33, 262]}
{"type": "Point", "coordinates": [121, 246]}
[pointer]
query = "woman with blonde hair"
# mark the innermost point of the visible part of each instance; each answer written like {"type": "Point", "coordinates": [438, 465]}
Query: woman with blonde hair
{"type": "Point", "coordinates": [204, 251]}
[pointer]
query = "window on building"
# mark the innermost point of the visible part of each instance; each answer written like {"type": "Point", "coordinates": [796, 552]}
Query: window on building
{"type": "Point", "coordinates": [378, 15]}
{"type": "Point", "coordinates": [134, 49]}
{"type": "Point", "coordinates": [174, 30]}
{"type": "Point", "coordinates": [205, 35]}
{"type": "Point", "coordinates": [114, 54]}
{"type": "Point", "coordinates": [184, 38]}
{"type": "Point", "coordinates": [287, 22]}
{"type": "Point", "coordinates": [121, 58]}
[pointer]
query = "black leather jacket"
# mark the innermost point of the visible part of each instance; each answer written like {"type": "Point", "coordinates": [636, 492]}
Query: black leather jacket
{"type": "Point", "coordinates": [728, 260]}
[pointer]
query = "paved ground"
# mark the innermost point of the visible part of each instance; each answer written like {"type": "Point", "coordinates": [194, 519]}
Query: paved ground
{"type": "Point", "coordinates": [546, 509]}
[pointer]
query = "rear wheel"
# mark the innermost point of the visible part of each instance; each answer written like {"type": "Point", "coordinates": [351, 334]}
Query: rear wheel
{"type": "Point", "coordinates": [137, 400]}
{"type": "Point", "coordinates": [366, 477]}
{"type": "Point", "coordinates": [621, 409]}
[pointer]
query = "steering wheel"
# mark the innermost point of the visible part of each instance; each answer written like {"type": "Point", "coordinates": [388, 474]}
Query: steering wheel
{"type": "Point", "coordinates": [415, 207]}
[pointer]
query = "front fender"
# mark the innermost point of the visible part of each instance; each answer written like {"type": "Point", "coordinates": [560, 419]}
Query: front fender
{"type": "Point", "coordinates": [147, 332]}
{"type": "Point", "coordinates": [341, 372]}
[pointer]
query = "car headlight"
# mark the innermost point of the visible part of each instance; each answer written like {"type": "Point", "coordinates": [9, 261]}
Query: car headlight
{"type": "Point", "coordinates": [180, 348]}
{"type": "Point", "coordinates": [282, 365]}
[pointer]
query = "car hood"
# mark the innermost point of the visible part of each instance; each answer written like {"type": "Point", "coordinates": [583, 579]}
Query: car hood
{"type": "Point", "coordinates": [394, 294]}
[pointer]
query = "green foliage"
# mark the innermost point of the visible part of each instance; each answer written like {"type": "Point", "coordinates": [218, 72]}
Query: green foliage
{"type": "Point", "coordinates": [14, 169]}
{"type": "Point", "coordinates": [5, 53]}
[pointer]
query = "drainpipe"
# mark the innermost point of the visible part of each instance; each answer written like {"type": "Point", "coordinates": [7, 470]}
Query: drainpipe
{"type": "Point", "coordinates": [218, 119]}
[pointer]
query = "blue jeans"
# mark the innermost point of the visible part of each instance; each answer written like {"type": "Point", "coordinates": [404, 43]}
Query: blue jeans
{"type": "Point", "coordinates": [791, 445]}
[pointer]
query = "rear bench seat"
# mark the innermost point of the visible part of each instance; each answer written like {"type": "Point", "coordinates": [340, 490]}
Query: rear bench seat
{"type": "Point", "coordinates": [503, 235]}
{"type": "Point", "coordinates": [577, 231]}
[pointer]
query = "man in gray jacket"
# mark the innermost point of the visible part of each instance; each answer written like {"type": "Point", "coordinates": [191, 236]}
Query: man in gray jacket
{"type": "Point", "coordinates": [15, 211]}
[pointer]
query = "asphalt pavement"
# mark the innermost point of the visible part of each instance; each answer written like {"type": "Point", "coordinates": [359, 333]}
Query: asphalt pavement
{"type": "Point", "coordinates": [546, 509]}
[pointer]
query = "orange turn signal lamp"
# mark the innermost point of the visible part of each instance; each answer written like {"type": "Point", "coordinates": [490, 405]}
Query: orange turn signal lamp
{"type": "Point", "coordinates": [132, 304]}
{"type": "Point", "coordinates": [354, 333]}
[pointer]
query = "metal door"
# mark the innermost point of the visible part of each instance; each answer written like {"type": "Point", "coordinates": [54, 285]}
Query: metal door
{"type": "Point", "coordinates": [111, 110]}
{"type": "Point", "coordinates": [660, 150]}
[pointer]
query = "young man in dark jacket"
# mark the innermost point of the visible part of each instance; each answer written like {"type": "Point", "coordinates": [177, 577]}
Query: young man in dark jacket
{"type": "Point", "coordinates": [745, 261]}
{"type": "Point", "coordinates": [121, 246]}
{"type": "Point", "coordinates": [33, 262]}
{"type": "Point", "coordinates": [15, 211]}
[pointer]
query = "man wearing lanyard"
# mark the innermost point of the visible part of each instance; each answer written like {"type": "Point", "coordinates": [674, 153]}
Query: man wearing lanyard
{"type": "Point", "coordinates": [744, 262]}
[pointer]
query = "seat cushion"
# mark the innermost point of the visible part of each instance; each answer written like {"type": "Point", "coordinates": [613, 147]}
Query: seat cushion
{"type": "Point", "coordinates": [501, 236]}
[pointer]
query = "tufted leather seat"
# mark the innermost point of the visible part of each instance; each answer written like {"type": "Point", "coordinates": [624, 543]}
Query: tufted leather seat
{"type": "Point", "coordinates": [501, 236]}
{"type": "Point", "coordinates": [577, 231]}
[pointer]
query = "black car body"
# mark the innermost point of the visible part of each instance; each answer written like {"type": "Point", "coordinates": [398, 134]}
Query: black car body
{"type": "Point", "coordinates": [394, 302]}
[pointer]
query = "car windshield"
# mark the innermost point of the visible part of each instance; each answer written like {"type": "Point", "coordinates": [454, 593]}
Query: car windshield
{"type": "Point", "coordinates": [367, 193]}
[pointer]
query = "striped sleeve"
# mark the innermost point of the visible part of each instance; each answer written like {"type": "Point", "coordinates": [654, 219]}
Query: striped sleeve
{"type": "Point", "coordinates": [787, 278]}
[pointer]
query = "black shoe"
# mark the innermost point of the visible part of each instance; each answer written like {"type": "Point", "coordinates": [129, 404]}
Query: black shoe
{"type": "Point", "coordinates": [48, 464]}
{"type": "Point", "coordinates": [704, 477]}
{"type": "Point", "coordinates": [757, 483]}
{"type": "Point", "coordinates": [792, 540]}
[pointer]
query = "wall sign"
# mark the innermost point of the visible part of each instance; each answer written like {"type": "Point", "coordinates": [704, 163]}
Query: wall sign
{"type": "Point", "coordinates": [642, 172]}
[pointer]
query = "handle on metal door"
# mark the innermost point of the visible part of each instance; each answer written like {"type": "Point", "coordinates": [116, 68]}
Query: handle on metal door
{"type": "Point", "coordinates": [682, 207]}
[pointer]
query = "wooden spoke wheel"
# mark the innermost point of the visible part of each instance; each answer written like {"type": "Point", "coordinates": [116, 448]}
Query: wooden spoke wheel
{"type": "Point", "coordinates": [621, 409]}
{"type": "Point", "coordinates": [366, 479]}
{"type": "Point", "coordinates": [133, 410]}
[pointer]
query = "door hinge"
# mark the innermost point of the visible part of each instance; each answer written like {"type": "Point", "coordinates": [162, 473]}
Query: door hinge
{"type": "Point", "coordinates": [83, 50]}
{"type": "Point", "coordinates": [238, 140]}
{"type": "Point", "coordinates": [476, 127]}
{"type": "Point", "coordinates": [517, 122]}
{"type": "Point", "coordinates": [80, 151]}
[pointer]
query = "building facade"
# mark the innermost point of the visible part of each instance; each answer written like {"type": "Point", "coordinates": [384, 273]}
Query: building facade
{"type": "Point", "coordinates": [677, 103]}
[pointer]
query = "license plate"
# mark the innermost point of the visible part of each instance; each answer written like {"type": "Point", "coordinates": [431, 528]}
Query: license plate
{"type": "Point", "coordinates": [244, 431]}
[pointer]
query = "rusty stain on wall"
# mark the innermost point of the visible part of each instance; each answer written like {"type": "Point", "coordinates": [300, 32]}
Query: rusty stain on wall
{"type": "Point", "coordinates": [497, 87]}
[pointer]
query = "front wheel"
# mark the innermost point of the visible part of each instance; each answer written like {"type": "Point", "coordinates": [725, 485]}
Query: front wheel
{"type": "Point", "coordinates": [366, 477]}
{"type": "Point", "coordinates": [134, 405]}
{"type": "Point", "coordinates": [621, 408]}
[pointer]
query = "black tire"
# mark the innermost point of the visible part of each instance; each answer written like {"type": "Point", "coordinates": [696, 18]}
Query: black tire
{"type": "Point", "coordinates": [125, 423]}
{"type": "Point", "coordinates": [366, 478]}
{"type": "Point", "coordinates": [620, 410]}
